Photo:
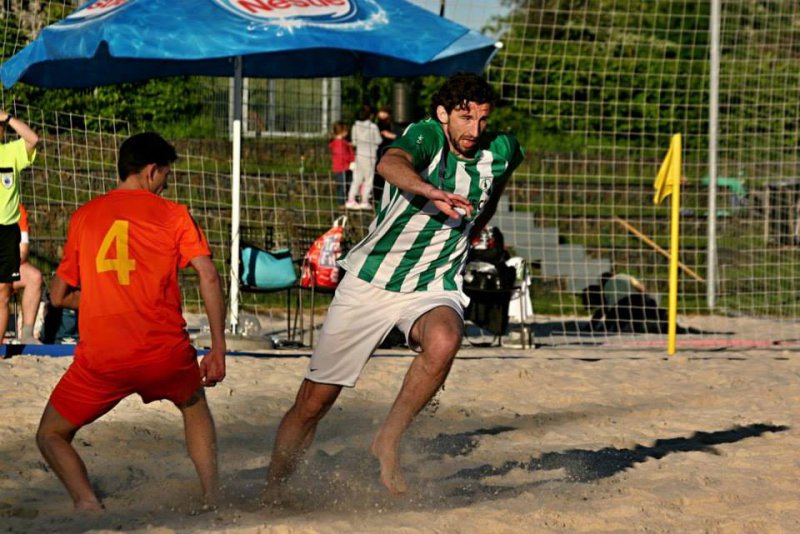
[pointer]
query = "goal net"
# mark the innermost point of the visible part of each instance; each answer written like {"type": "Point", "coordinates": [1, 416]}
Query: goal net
{"type": "Point", "coordinates": [594, 91]}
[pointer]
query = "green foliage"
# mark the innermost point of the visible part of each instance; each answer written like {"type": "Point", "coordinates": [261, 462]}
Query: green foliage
{"type": "Point", "coordinates": [378, 92]}
{"type": "Point", "coordinates": [604, 69]}
{"type": "Point", "coordinates": [629, 72]}
{"type": "Point", "coordinates": [166, 105]}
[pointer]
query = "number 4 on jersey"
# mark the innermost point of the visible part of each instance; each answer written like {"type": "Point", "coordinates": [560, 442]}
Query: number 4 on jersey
{"type": "Point", "coordinates": [121, 264]}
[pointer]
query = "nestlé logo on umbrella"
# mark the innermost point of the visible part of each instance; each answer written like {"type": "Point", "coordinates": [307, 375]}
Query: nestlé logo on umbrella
{"type": "Point", "coordinates": [95, 10]}
{"type": "Point", "coordinates": [275, 10]}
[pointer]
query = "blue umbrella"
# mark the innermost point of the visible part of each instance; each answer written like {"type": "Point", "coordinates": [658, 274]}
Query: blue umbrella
{"type": "Point", "coordinates": [113, 41]}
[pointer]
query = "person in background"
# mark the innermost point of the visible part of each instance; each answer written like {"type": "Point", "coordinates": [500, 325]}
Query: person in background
{"type": "Point", "coordinates": [621, 303]}
{"type": "Point", "coordinates": [120, 266]}
{"type": "Point", "coordinates": [30, 282]}
{"type": "Point", "coordinates": [342, 158]}
{"type": "Point", "coordinates": [14, 157]}
{"type": "Point", "coordinates": [366, 138]}
{"type": "Point", "coordinates": [59, 325]}
{"type": "Point", "coordinates": [388, 135]}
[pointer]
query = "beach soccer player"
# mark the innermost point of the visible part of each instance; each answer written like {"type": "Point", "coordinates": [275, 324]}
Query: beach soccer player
{"type": "Point", "coordinates": [445, 177]}
{"type": "Point", "coordinates": [120, 268]}
{"type": "Point", "coordinates": [14, 157]}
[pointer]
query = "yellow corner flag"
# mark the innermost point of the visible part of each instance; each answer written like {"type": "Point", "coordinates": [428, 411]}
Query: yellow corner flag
{"type": "Point", "coordinates": [668, 182]}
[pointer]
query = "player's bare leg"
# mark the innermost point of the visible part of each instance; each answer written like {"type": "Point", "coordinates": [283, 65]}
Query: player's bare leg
{"type": "Point", "coordinates": [54, 439]}
{"type": "Point", "coordinates": [439, 334]}
{"type": "Point", "coordinates": [296, 433]}
{"type": "Point", "coordinates": [5, 298]}
{"type": "Point", "coordinates": [201, 443]}
{"type": "Point", "coordinates": [31, 283]}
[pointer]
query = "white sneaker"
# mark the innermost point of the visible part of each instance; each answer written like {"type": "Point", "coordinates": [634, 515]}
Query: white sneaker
{"type": "Point", "coordinates": [364, 206]}
{"type": "Point", "coordinates": [352, 205]}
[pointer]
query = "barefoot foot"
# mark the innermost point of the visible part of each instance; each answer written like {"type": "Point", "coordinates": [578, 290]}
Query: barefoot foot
{"type": "Point", "coordinates": [89, 506]}
{"type": "Point", "coordinates": [274, 496]}
{"type": "Point", "coordinates": [211, 501]}
{"type": "Point", "coordinates": [391, 473]}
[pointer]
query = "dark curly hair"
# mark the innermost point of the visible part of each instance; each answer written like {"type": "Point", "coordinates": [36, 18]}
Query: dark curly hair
{"type": "Point", "coordinates": [460, 89]}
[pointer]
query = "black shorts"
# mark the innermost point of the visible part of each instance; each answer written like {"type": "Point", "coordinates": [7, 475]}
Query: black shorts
{"type": "Point", "coordinates": [9, 253]}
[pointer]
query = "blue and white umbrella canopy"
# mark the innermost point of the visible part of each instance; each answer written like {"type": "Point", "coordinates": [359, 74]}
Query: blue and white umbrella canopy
{"type": "Point", "coordinates": [114, 41]}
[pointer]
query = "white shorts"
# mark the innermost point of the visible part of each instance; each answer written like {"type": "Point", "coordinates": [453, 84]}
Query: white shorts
{"type": "Point", "coordinates": [359, 319]}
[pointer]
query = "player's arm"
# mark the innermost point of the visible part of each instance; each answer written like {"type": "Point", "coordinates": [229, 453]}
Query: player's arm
{"type": "Point", "coordinates": [397, 168]}
{"type": "Point", "coordinates": [63, 295]}
{"type": "Point", "coordinates": [24, 252]}
{"type": "Point", "coordinates": [23, 130]}
{"type": "Point", "coordinates": [212, 366]}
{"type": "Point", "coordinates": [388, 134]}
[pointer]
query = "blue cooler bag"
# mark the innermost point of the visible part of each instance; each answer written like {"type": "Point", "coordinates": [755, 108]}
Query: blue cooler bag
{"type": "Point", "coordinates": [267, 270]}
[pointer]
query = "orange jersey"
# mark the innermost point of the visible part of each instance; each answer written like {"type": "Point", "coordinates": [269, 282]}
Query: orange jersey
{"type": "Point", "coordinates": [123, 250]}
{"type": "Point", "coordinates": [24, 226]}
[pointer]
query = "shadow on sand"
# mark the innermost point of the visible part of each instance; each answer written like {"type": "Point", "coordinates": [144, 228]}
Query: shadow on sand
{"type": "Point", "coordinates": [581, 465]}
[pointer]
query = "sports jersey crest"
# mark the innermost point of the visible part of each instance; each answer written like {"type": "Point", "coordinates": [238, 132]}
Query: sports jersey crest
{"type": "Point", "coordinates": [7, 178]}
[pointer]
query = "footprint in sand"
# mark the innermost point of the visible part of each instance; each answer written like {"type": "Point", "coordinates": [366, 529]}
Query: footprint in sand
{"type": "Point", "coordinates": [8, 510]}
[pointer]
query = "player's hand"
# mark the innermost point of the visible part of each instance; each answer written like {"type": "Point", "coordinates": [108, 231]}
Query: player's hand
{"type": "Point", "coordinates": [212, 367]}
{"type": "Point", "coordinates": [453, 205]}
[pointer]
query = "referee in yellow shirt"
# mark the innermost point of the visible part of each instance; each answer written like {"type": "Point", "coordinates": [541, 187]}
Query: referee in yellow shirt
{"type": "Point", "coordinates": [14, 157]}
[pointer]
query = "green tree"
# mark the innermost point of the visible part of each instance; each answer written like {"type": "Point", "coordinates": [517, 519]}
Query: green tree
{"type": "Point", "coordinates": [622, 70]}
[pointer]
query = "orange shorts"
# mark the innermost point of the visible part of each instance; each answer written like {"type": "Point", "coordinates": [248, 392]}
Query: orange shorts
{"type": "Point", "coordinates": [83, 395]}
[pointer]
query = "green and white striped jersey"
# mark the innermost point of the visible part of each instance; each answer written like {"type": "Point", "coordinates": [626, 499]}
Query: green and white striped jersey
{"type": "Point", "coordinates": [411, 245]}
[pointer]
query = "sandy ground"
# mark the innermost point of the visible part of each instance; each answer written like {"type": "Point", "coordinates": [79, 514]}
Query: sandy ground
{"type": "Point", "coordinates": [562, 438]}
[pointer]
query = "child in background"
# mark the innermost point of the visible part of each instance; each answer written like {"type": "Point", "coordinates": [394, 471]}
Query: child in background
{"type": "Point", "coordinates": [342, 157]}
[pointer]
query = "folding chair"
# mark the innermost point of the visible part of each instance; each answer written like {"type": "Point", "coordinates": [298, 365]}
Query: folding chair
{"type": "Point", "coordinates": [305, 236]}
{"type": "Point", "coordinates": [520, 306]}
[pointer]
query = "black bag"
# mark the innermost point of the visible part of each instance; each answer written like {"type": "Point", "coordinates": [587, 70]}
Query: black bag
{"type": "Point", "coordinates": [482, 275]}
{"type": "Point", "coordinates": [488, 281]}
{"type": "Point", "coordinates": [486, 262]}
{"type": "Point", "coordinates": [488, 309]}
{"type": "Point", "coordinates": [489, 246]}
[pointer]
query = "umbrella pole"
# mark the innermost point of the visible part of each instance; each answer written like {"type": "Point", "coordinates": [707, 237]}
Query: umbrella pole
{"type": "Point", "coordinates": [236, 170]}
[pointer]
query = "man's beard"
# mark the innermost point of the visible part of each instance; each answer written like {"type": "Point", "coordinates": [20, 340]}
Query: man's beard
{"type": "Point", "coordinates": [468, 152]}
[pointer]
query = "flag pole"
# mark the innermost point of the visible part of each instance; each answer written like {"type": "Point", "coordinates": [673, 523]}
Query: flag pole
{"type": "Point", "coordinates": [668, 183]}
{"type": "Point", "coordinates": [675, 205]}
